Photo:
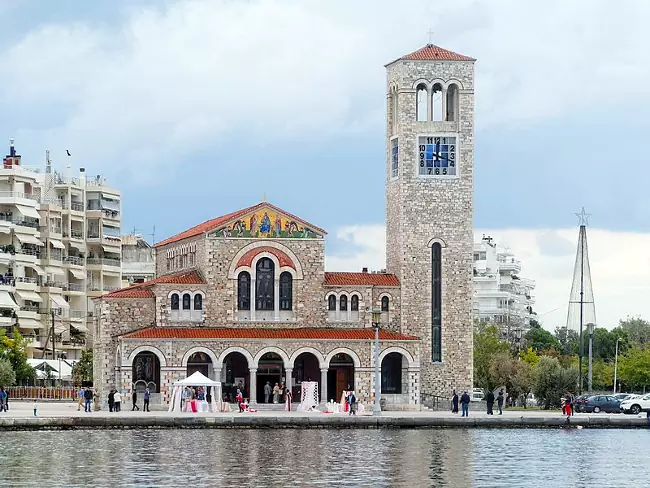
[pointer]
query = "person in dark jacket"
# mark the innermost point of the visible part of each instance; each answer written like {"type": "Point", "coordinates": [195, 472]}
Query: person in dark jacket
{"type": "Point", "coordinates": [88, 397]}
{"type": "Point", "coordinates": [454, 402]}
{"type": "Point", "coordinates": [500, 399]}
{"type": "Point", "coordinates": [134, 399]}
{"type": "Point", "coordinates": [111, 400]}
{"type": "Point", "coordinates": [489, 399]}
{"type": "Point", "coordinates": [464, 403]}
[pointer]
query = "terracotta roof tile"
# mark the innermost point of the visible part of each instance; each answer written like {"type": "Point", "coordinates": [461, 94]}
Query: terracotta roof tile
{"type": "Point", "coordinates": [143, 290]}
{"type": "Point", "coordinates": [431, 52]}
{"type": "Point", "coordinates": [247, 259]}
{"type": "Point", "coordinates": [214, 224]}
{"type": "Point", "coordinates": [262, 333]}
{"type": "Point", "coordinates": [369, 279]}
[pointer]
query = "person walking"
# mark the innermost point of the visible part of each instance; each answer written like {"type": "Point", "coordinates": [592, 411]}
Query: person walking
{"type": "Point", "coordinates": [134, 399]}
{"type": "Point", "coordinates": [111, 400]}
{"type": "Point", "coordinates": [81, 398]}
{"type": "Point", "coordinates": [352, 403]}
{"type": "Point", "coordinates": [147, 396]}
{"type": "Point", "coordinates": [489, 400]}
{"type": "Point", "coordinates": [454, 402]}
{"type": "Point", "coordinates": [267, 392]}
{"type": "Point", "coordinates": [3, 399]}
{"type": "Point", "coordinates": [118, 400]}
{"type": "Point", "coordinates": [88, 397]}
{"type": "Point", "coordinates": [464, 403]}
{"type": "Point", "coordinates": [500, 399]}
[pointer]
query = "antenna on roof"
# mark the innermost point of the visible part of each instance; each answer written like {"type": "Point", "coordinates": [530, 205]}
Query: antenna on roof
{"type": "Point", "coordinates": [264, 197]}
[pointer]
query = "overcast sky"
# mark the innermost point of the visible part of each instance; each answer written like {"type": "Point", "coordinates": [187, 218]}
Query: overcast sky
{"type": "Point", "coordinates": [197, 108]}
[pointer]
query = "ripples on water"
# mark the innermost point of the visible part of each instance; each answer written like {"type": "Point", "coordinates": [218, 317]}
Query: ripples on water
{"type": "Point", "coordinates": [211, 458]}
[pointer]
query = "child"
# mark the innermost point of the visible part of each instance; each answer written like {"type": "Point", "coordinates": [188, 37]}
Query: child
{"type": "Point", "coordinates": [35, 407]}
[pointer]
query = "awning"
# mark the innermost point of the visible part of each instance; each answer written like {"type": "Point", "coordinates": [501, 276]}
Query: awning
{"type": "Point", "coordinates": [36, 268]}
{"type": "Point", "coordinates": [4, 229]}
{"type": "Point", "coordinates": [29, 295]}
{"type": "Point", "coordinates": [6, 301]}
{"type": "Point", "coordinates": [57, 244]}
{"type": "Point", "coordinates": [29, 324]}
{"type": "Point", "coordinates": [113, 249]}
{"type": "Point", "coordinates": [28, 211]}
{"type": "Point", "coordinates": [79, 326]}
{"type": "Point", "coordinates": [29, 239]}
{"type": "Point", "coordinates": [54, 271]}
{"type": "Point", "coordinates": [78, 245]}
{"type": "Point", "coordinates": [60, 328]}
{"type": "Point", "coordinates": [59, 302]}
{"type": "Point", "coordinates": [80, 275]}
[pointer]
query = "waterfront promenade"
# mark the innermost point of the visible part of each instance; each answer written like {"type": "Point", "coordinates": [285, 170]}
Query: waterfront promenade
{"type": "Point", "coordinates": [56, 415]}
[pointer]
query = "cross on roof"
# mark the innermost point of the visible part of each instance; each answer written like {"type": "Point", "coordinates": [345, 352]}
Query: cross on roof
{"type": "Point", "coordinates": [583, 217]}
{"type": "Point", "coordinates": [430, 32]}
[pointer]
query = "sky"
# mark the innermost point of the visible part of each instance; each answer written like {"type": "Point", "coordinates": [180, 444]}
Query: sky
{"type": "Point", "coordinates": [196, 108]}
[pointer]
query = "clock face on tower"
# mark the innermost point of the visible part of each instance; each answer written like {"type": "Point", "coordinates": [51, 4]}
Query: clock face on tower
{"type": "Point", "coordinates": [437, 156]}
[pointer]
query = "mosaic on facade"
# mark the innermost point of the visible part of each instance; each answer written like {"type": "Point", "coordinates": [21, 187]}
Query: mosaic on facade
{"type": "Point", "coordinates": [266, 223]}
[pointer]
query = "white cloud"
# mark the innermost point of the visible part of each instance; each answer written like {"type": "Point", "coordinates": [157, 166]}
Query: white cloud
{"type": "Point", "coordinates": [187, 74]}
{"type": "Point", "coordinates": [620, 266]}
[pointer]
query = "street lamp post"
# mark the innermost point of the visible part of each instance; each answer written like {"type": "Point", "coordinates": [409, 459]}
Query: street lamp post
{"type": "Point", "coordinates": [376, 319]}
{"type": "Point", "coordinates": [590, 331]}
{"type": "Point", "coordinates": [616, 362]}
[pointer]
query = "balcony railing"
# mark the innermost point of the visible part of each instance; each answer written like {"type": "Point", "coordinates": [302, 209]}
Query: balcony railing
{"type": "Point", "coordinates": [77, 314]}
{"type": "Point", "coordinates": [26, 279]}
{"type": "Point", "coordinates": [55, 256]}
{"type": "Point", "coordinates": [18, 194]}
{"type": "Point", "coordinates": [104, 261]}
{"type": "Point", "coordinates": [30, 308]}
{"type": "Point", "coordinates": [30, 252]}
{"type": "Point", "coordinates": [111, 288]}
{"type": "Point", "coordinates": [9, 217]}
{"type": "Point", "coordinates": [74, 287]}
{"type": "Point", "coordinates": [75, 260]}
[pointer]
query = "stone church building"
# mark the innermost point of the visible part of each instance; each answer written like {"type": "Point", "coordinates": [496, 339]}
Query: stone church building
{"type": "Point", "coordinates": [245, 298]}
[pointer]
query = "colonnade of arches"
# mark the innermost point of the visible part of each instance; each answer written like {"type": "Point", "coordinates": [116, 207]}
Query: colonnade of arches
{"type": "Point", "coordinates": [237, 368]}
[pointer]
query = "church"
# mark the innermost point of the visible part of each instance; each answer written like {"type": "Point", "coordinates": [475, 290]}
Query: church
{"type": "Point", "coordinates": [245, 298]}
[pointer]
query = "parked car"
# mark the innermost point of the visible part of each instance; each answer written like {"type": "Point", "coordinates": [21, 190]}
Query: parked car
{"type": "Point", "coordinates": [580, 402]}
{"type": "Point", "coordinates": [624, 396]}
{"type": "Point", "coordinates": [636, 405]}
{"type": "Point", "coordinates": [477, 395]}
{"type": "Point", "coordinates": [602, 403]}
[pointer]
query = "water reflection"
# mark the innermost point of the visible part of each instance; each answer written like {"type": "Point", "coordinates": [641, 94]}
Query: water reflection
{"type": "Point", "coordinates": [325, 457]}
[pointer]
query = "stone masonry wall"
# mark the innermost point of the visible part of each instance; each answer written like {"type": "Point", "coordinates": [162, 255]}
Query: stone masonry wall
{"type": "Point", "coordinates": [419, 210]}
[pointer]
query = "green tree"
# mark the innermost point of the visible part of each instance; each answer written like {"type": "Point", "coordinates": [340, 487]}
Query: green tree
{"type": "Point", "coordinates": [512, 373]}
{"type": "Point", "coordinates": [487, 344]}
{"type": "Point", "coordinates": [83, 369]}
{"type": "Point", "coordinates": [634, 368]}
{"type": "Point", "coordinates": [541, 339]}
{"type": "Point", "coordinates": [7, 375]}
{"type": "Point", "coordinates": [568, 340]}
{"type": "Point", "coordinates": [529, 356]}
{"type": "Point", "coordinates": [551, 381]}
{"type": "Point", "coordinates": [602, 375]}
{"type": "Point", "coordinates": [13, 348]}
{"type": "Point", "coordinates": [636, 329]}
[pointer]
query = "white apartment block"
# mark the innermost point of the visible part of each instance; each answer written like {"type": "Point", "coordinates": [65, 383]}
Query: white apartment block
{"type": "Point", "coordinates": [60, 247]}
{"type": "Point", "coordinates": [138, 262]}
{"type": "Point", "coordinates": [501, 295]}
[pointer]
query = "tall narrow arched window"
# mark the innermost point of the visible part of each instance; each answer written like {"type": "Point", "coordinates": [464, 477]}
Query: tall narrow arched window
{"type": "Point", "coordinates": [331, 303]}
{"type": "Point", "coordinates": [384, 304]}
{"type": "Point", "coordinates": [354, 303]}
{"type": "Point", "coordinates": [175, 301]}
{"type": "Point", "coordinates": [265, 285]}
{"type": "Point", "coordinates": [198, 302]}
{"type": "Point", "coordinates": [343, 303]}
{"type": "Point", "coordinates": [395, 110]}
{"type": "Point", "coordinates": [286, 291]}
{"type": "Point", "coordinates": [436, 302]}
{"type": "Point", "coordinates": [421, 107]}
{"type": "Point", "coordinates": [452, 103]}
{"type": "Point", "coordinates": [436, 103]}
{"type": "Point", "coordinates": [244, 291]}
{"type": "Point", "coordinates": [186, 301]}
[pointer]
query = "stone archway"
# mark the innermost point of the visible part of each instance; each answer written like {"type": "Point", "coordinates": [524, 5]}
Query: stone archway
{"type": "Point", "coordinates": [394, 378]}
{"type": "Point", "coordinates": [308, 365]}
{"type": "Point", "coordinates": [145, 371]}
{"type": "Point", "coordinates": [340, 375]}
{"type": "Point", "coordinates": [270, 369]}
{"type": "Point", "coordinates": [235, 374]}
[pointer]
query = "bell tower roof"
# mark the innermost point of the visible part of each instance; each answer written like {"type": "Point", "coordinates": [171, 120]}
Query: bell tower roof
{"type": "Point", "coordinates": [431, 52]}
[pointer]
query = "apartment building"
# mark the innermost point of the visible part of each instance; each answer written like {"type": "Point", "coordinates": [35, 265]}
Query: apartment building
{"type": "Point", "coordinates": [501, 294]}
{"type": "Point", "coordinates": [138, 261]}
{"type": "Point", "coordinates": [60, 246]}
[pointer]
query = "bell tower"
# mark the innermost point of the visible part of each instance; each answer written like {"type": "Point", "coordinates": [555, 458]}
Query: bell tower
{"type": "Point", "coordinates": [430, 209]}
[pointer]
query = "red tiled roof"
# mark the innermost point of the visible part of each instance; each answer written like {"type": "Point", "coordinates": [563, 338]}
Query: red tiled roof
{"type": "Point", "coordinates": [219, 221]}
{"type": "Point", "coordinates": [369, 279]}
{"type": "Point", "coordinates": [247, 259]}
{"type": "Point", "coordinates": [263, 333]}
{"type": "Point", "coordinates": [431, 52]}
{"type": "Point", "coordinates": [143, 290]}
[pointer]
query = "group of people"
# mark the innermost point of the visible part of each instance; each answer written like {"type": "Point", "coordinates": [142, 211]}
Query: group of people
{"type": "Point", "coordinates": [279, 392]}
{"type": "Point", "coordinates": [465, 401]}
{"type": "Point", "coordinates": [85, 398]}
{"type": "Point", "coordinates": [115, 400]}
{"type": "Point", "coordinates": [191, 393]}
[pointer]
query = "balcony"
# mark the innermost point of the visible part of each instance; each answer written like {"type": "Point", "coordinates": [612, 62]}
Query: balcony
{"type": "Point", "coordinates": [12, 196]}
{"type": "Point", "coordinates": [32, 223]}
{"type": "Point", "coordinates": [104, 262]}
{"type": "Point", "coordinates": [54, 256]}
{"type": "Point", "coordinates": [74, 206]}
{"type": "Point", "coordinates": [509, 264]}
{"type": "Point", "coordinates": [73, 260]}
{"type": "Point", "coordinates": [108, 288]}
{"type": "Point", "coordinates": [73, 234]}
{"type": "Point", "coordinates": [77, 314]}
{"type": "Point", "coordinates": [74, 288]}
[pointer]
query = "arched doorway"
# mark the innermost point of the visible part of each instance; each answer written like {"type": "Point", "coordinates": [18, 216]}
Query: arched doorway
{"type": "Point", "coordinates": [145, 372]}
{"type": "Point", "coordinates": [394, 378]}
{"type": "Point", "coordinates": [340, 376]}
{"type": "Point", "coordinates": [235, 374]}
{"type": "Point", "coordinates": [305, 368]}
{"type": "Point", "coordinates": [270, 368]}
{"type": "Point", "coordinates": [201, 362]}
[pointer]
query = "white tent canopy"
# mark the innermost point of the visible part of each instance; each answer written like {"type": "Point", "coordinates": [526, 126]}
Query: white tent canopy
{"type": "Point", "coordinates": [195, 379]}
